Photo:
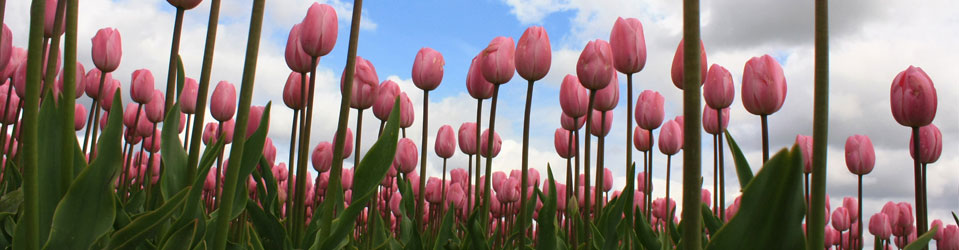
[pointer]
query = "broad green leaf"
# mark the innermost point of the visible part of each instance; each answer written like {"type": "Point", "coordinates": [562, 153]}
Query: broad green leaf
{"type": "Point", "coordinates": [10, 202]}
{"type": "Point", "coordinates": [87, 210]}
{"type": "Point", "coordinates": [11, 175]}
{"type": "Point", "coordinates": [181, 238]}
{"type": "Point", "coordinates": [367, 177]}
{"type": "Point", "coordinates": [743, 171]}
{"type": "Point", "coordinates": [50, 170]}
{"type": "Point", "coordinates": [445, 230]}
{"type": "Point", "coordinates": [380, 232]}
{"type": "Point", "coordinates": [253, 151]}
{"type": "Point", "coordinates": [596, 237]}
{"type": "Point", "coordinates": [274, 235]}
{"type": "Point", "coordinates": [269, 184]}
{"type": "Point", "coordinates": [408, 236]}
{"type": "Point", "coordinates": [254, 239]}
{"type": "Point", "coordinates": [771, 209]}
{"type": "Point", "coordinates": [611, 219]}
{"type": "Point", "coordinates": [174, 172]}
{"type": "Point", "coordinates": [645, 233]}
{"type": "Point", "coordinates": [79, 159]}
{"type": "Point", "coordinates": [546, 237]}
{"type": "Point", "coordinates": [132, 235]}
{"type": "Point", "coordinates": [712, 223]}
{"type": "Point", "coordinates": [922, 242]}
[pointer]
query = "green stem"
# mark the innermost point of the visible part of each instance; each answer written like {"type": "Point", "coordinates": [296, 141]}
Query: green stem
{"type": "Point", "coordinates": [859, 219]}
{"type": "Point", "coordinates": [202, 89]}
{"type": "Point", "coordinates": [54, 50]}
{"type": "Point", "coordinates": [96, 118]}
{"type": "Point", "coordinates": [479, 120]}
{"type": "Point", "coordinates": [589, 121]}
{"type": "Point", "coordinates": [289, 178]}
{"type": "Point", "coordinates": [630, 167]}
{"type": "Point", "coordinates": [722, 173]}
{"type": "Point", "coordinates": [649, 179]}
{"type": "Point", "coordinates": [487, 188]}
{"type": "Point", "coordinates": [765, 133]}
{"type": "Point", "coordinates": [69, 90]}
{"type": "Point", "coordinates": [31, 196]}
{"type": "Point", "coordinates": [600, 165]}
{"type": "Point", "coordinates": [172, 68]}
{"type": "Point", "coordinates": [420, 199]}
{"type": "Point", "coordinates": [525, 165]}
{"type": "Point", "coordinates": [692, 155]}
{"type": "Point", "coordinates": [815, 224]}
{"type": "Point", "coordinates": [917, 167]}
{"type": "Point", "coordinates": [224, 216]}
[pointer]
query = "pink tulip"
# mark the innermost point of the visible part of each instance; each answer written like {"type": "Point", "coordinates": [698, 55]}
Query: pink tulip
{"type": "Point", "coordinates": [152, 143]}
{"type": "Point", "coordinates": [365, 83]}
{"type": "Point", "coordinates": [92, 79]}
{"type": "Point", "coordinates": [533, 54]}
{"type": "Point", "coordinates": [709, 120]}
{"type": "Point", "coordinates": [498, 178]}
{"type": "Point", "coordinates": [17, 56]}
{"type": "Point", "coordinates": [718, 91]}
{"type": "Point", "coordinates": [594, 67]}
{"type": "Point", "coordinates": [109, 90]}
{"type": "Point", "coordinates": [860, 157]}
{"type": "Point", "coordinates": [395, 203]}
{"type": "Point", "coordinates": [347, 144]}
{"type": "Point", "coordinates": [107, 49]}
{"type": "Point", "coordinates": [78, 117]}
{"type": "Point", "coordinates": [852, 208]}
{"type": "Point", "coordinates": [386, 95]}
{"type": "Point", "coordinates": [223, 101]}
{"type": "Point", "coordinates": [573, 97]}
{"type": "Point", "coordinates": [891, 210]}
{"type": "Point", "coordinates": [476, 83]}
{"type": "Point", "coordinates": [9, 111]}
{"type": "Point", "coordinates": [406, 156]}
{"type": "Point", "coordinates": [467, 138]}
{"type": "Point", "coordinates": [144, 126]}
{"type": "Point", "coordinates": [428, 69]}
{"type": "Point", "coordinates": [905, 214]}
{"type": "Point", "coordinates": [670, 138]}
{"type": "Point", "coordinates": [650, 110]}
{"type": "Point", "coordinates": [19, 80]}
{"type": "Point", "coordinates": [318, 30]}
{"type": "Point", "coordinates": [49, 16]}
{"type": "Point", "coordinates": [296, 58]}
{"type": "Point", "coordinates": [130, 114]}
{"type": "Point", "coordinates": [569, 124]}
{"type": "Point", "coordinates": [458, 176]}
{"type": "Point", "coordinates": [292, 91]}
{"type": "Point", "coordinates": [677, 69]}
{"type": "Point", "coordinates": [188, 96]}
{"type": "Point", "coordinates": [906, 237]}
{"type": "Point", "coordinates": [406, 111]}
{"type": "Point", "coordinates": [913, 98]}
{"type": "Point", "coordinates": [764, 86]}
{"type": "Point", "coordinates": [930, 144]}
{"type": "Point", "coordinates": [79, 87]}
{"type": "Point", "coordinates": [433, 190]}
{"type": "Point", "coordinates": [154, 109]}
{"type": "Point", "coordinates": [6, 47]}
{"type": "Point", "coordinates": [184, 4]}
{"type": "Point", "coordinates": [607, 97]}
{"type": "Point", "coordinates": [600, 126]}
{"type": "Point", "coordinates": [949, 238]}
{"type": "Point", "coordinates": [256, 115]}
{"type": "Point", "coordinates": [641, 139]}
{"type": "Point", "coordinates": [484, 144]}
{"type": "Point", "coordinates": [628, 45]}
{"type": "Point", "coordinates": [445, 142]}
{"type": "Point", "coordinates": [456, 195]}
{"type": "Point", "coordinates": [209, 133]}
{"type": "Point", "coordinates": [660, 209]}
{"type": "Point", "coordinates": [607, 180]}
{"type": "Point", "coordinates": [269, 151]}
{"type": "Point", "coordinates": [561, 143]}
{"type": "Point", "coordinates": [805, 146]}
{"type": "Point", "coordinates": [879, 226]}
{"type": "Point", "coordinates": [141, 87]}
{"type": "Point", "coordinates": [322, 157]}
{"type": "Point", "coordinates": [497, 60]}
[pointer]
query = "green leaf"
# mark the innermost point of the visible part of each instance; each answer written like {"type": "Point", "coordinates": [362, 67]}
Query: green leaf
{"type": "Point", "coordinates": [132, 235]}
{"type": "Point", "coordinates": [546, 237]}
{"type": "Point", "coordinates": [274, 235]}
{"type": "Point", "coordinates": [269, 183]}
{"type": "Point", "coordinates": [771, 209]}
{"type": "Point", "coordinates": [174, 172]}
{"type": "Point", "coordinates": [611, 219]}
{"type": "Point", "coordinates": [11, 201]}
{"type": "Point", "coordinates": [712, 223]}
{"type": "Point", "coordinates": [743, 171]}
{"type": "Point", "coordinates": [11, 174]}
{"type": "Point", "coordinates": [181, 73]}
{"type": "Point", "coordinates": [596, 236]}
{"type": "Point", "coordinates": [253, 152]}
{"type": "Point", "coordinates": [954, 217]}
{"type": "Point", "coordinates": [182, 238]}
{"type": "Point", "coordinates": [367, 177]}
{"type": "Point", "coordinates": [55, 181]}
{"type": "Point", "coordinates": [445, 230]}
{"type": "Point", "coordinates": [922, 241]}
{"type": "Point", "coordinates": [87, 210]}
{"type": "Point", "coordinates": [645, 233]}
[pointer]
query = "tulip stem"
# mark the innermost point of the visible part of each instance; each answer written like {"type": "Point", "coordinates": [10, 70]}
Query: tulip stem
{"type": "Point", "coordinates": [420, 199]}
{"type": "Point", "coordinates": [202, 89]}
{"type": "Point", "coordinates": [765, 127]}
{"type": "Point", "coordinates": [443, 188]}
{"type": "Point", "coordinates": [630, 167]}
{"type": "Point", "coordinates": [649, 178]}
{"type": "Point", "coordinates": [600, 165]}
{"type": "Point", "coordinates": [469, 185]}
{"type": "Point", "coordinates": [123, 188]}
{"type": "Point", "coordinates": [479, 121]}
{"type": "Point", "coordinates": [31, 202]}
{"type": "Point", "coordinates": [816, 223]}
{"type": "Point", "coordinates": [569, 171]}
{"type": "Point", "coordinates": [920, 185]}
{"type": "Point", "coordinates": [186, 130]}
{"type": "Point", "coordinates": [69, 91]}
{"type": "Point", "coordinates": [692, 156]}
{"type": "Point", "coordinates": [722, 169]}
{"type": "Point", "coordinates": [716, 174]}
{"type": "Point", "coordinates": [859, 213]}
{"type": "Point", "coordinates": [224, 216]}
{"type": "Point", "coordinates": [289, 178]}
{"type": "Point", "coordinates": [487, 188]}
{"type": "Point", "coordinates": [96, 117]}
{"type": "Point", "coordinates": [172, 66]}
{"type": "Point", "coordinates": [589, 119]}
{"type": "Point", "coordinates": [358, 139]}
{"type": "Point", "coordinates": [525, 166]}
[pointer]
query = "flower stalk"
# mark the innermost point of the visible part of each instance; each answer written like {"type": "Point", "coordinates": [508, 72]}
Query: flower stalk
{"type": "Point", "coordinates": [692, 157]}
{"type": "Point", "coordinates": [815, 224]}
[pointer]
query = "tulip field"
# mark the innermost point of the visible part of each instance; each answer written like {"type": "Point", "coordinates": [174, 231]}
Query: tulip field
{"type": "Point", "coordinates": [158, 173]}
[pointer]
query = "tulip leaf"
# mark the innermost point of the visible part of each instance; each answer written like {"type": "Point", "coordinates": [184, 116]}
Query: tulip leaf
{"type": "Point", "coordinates": [709, 220]}
{"type": "Point", "coordinates": [181, 237]}
{"type": "Point", "coordinates": [253, 152]}
{"type": "Point", "coordinates": [476, 232]}
{"type": "Point", "coordinates": [11, 201]}
{"type": "Point", "coordinates": [743, 171]}
{"type": "Point", "coordinates": [174, 172]}
{"type": "Point", "coordinates": [136, 232]}
{"type": "Point", "coordinates": [922, 242]}
{"type": "Point", "coordinates": [366, 179]}
{"type": "Point", "coordinates": [11, 174]}
{"type": "Point", "coordinates": [408, 236]}
{"type": "Point", "coordinates": [87, 210]}
{"type": "Point", "coordinates": [771, 208]}
{"type": "Point", "coordinates": [954, 217]}
{"type": "Point", "coordinates": [274, 235]}
{"type": "Point", "coordinates": [55, 180]}
{"type": "Point", "coordinates": [547, 237]}
{"type": "Point", "coordinates": [180, 75]}
{"type": "Point", "coordinates": [445, 230]}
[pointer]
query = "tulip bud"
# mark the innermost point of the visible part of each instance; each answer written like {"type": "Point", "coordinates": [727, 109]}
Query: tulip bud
{"type": "Point", "coordinates": [406, 156]}
{"type": "Point", "coordinates": [79, 112]}
{"type": "Point", "coordinates": [78, 82]}
{"type": "Point", "coordinates": [607, 97]}
{"type": "Point", "coordinates": [573, 97]}
{"type": "Point", "coordinates": [568, 123]}
{"type": "Point", "coordinates": [49, 18]}
{"type": "Point", "coordinates": [445, 142]}
{"type": "Point", "coordinates": [365, 83]}
{"type": "Point", "coordinates": [256, 115]}
{"type": "Point", "coordinates": [497, 60]}
{"type": "Point", "coordinates": [594, 67]}
{"type": "Point", "coordinates": [17, 56]}
{"type": "Point", "coordinates": [318, 31]}
{"type": "Point", "coordinates": [9, 101]}
{"type": "Point", "coordinates": [348, 144]}
{"type": "Point", "coordinates": [711, 123]}
{"type": "Point", "coordinates": [428, 69]}
{"type": "Point", "coordinates": [650, 110]}
{"type": "Point", "coordinates": [107, 49]}
{"type": "Point", "coordinates": [860, 157]}
{"type": "Point", "coordinates": [561, 141]}
{"type": "Point", "coordinates": [628, 45]}
{"type": "Point", "coordinates": [476, 83]}
{"type": "Point", "coordinates": [601, 123]}
{"type": "Point", "coordinates": [109, 91]}
{"type": "Point", "coordinates": [6, 47]}
{"type": "Point", "coordinates": [322, 157]}
{"type": "Point", "coordinates": [764, 86]}
{"type": "Point", "coordinates": [154, 109]}
{"type": "Point", "coordinates": [718, 91]}
{"type": "Point", "coordinates": [92, 80]}
{"type": "Point", "coordinates": [484, 144]}
{"type": "Point", "coordinates": [670, 138]}
{"type": "Point", "coordinates": [930, 144]}
{"type": "Point", "coordinates": [386, 95]}
{"type": "Point", "coordinates": [406, 111]}
{"type": "Point", "coordinates": [879, 226]}
{"type": "Point", "coordinates": [840, 219]}
{"type": "Point", "coordinates": [805, 145]}
{"type": "Point", "coordinates": [223, 101]}
{"type": "Point", "coordinates": [467, 138]}
{"type": "Point", "coordinates": [913, 98]}
{"type": "Point", "coordinates": [677, 69]}
{"type": "Point", "coordinates": [296, 57]}
{"type": "Point", "coordinates": [533, 54]}
{"type": "Point", "coordinates": [188, 96]}
{"type": "Point", "coordinates": [641, 139]}
{"type": "Point", "coordinates": [184, 4]}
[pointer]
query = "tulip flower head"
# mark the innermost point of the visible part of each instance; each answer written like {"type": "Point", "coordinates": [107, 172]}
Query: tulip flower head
{"type": "Point", "coordinates": [107, 49]}
{"type": "Point", "coordinates": [595, 65]}
{"type": "Point", "coordinates": [428, 69]}
{"type": "Point", "coordinates": [533, 54]}
{"type": "Point", "coordinates": [498, 65]}
{"type": "Point", "coordinates": [677, 69]}
{"type": "Point", "coordinates": [930, 144]}
{"type": "Point", "coordinates": [913, 98]}
{"type": "Point", "coordinates": [628, 44]}
{"type": "Point", "coordinates": [318, 31]}
{"type": "Point", "coordinates": [764, 86]}
{"type": "Point", "coordinates": [860, 156]}
{"type": "Point", "coordinates": [445, 142]}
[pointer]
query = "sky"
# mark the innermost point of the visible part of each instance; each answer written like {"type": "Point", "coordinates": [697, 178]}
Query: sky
{"type": "Point", "coordinates": [870, 42]}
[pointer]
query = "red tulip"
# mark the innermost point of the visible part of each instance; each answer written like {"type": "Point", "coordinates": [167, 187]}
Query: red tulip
{"type": "Point", "coordinates": [322, 157]}
{"type": "Point", "coordinates": [573, 97]}
{"type": "Point", "coordinates": [318, 30]}
{"type": "Point", "coordinates": [568, 123]}
{"type": "Point", "coordinates": [677, 69]}
{"type": "Point", "coordinates": [670, 138]}
{"type": "Point", "coordinates": [348, 144]}
{"type": "Point", "coordinates": [406, 156]}
{"type": "Point", "coordinates": [406, 111]}
{"type": "Point", "coordinates": [107, 49]}
{"type": "Point", "coordinates": [879, 226]}
{"type": "Point", "coordinates": [467, 138]}
{"type": "Point", "coordinates": [594, 67]}
{"type": "Point", "coordinates": [709, 120]}
{"type": "Point", "coordinates": [561, 143]}
{"type": "Point", "coordinates": [718, 91]}
{"type": "Point", "coordinates": [428, 69]}
{"type": "Point", "coordinates": [860, 157]}
{"type": "Point", "coordinates": [154, 109]}
{"type": "Point", "coordinates": [805, 146]}
{"type": "Point", "coordinates": [79, 112]}
{"type": "Point", "coordinates": [296, 58]}
{"type": "Point", "coordinates": [497, 60]}
{"type": "Point", "coordinates": [930, 144]}
{"type": "Point", "coordinates": [484, 144]}
{"type": "Point", "coordinates": [386, 95]}
{"type": "Point", "coordinates": [533, 54]}
{"type": "Point", "coordinates": [223, 101]}
{"type": "Point", "coordinates": [764, 86]}
{"type": "Point", "coordinates": [445, 142]}
{"type": "Point", "coordinates": [650, 110]}
{"type": "Point", "coordinates": [476, 83]}
{"type": "Point", "coordinates": [365, 83]}
{"type": "Point", "coordinates": [598, 120]}
{"type": "Point", "coordinates": [641, 139]}
{"type": "Point", "coordinates": [92, 79]}
{"type": "Point", "coordinates": [184, 4]}
{"type": "Point", "coordinates": [913, 98]}
{"type": "Point", "coordinates": [628, 45]}
{"type": "Point", "coordinates": [6, 47]}
{"type": "Point", "coordinates": [607, 97]}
